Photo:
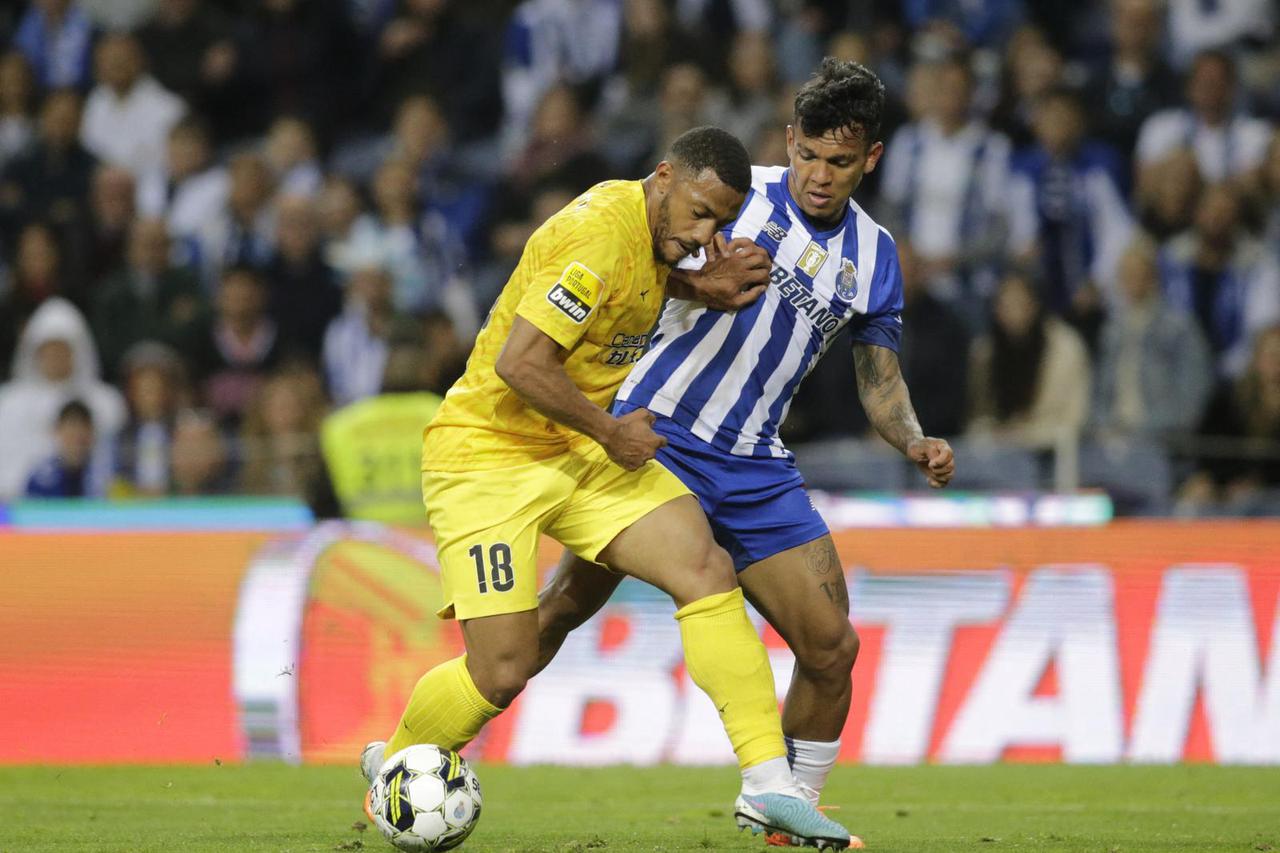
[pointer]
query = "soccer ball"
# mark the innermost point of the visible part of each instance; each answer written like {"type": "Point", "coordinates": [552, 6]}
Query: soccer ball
{"type": "Point", "coordinates": [426, 798]}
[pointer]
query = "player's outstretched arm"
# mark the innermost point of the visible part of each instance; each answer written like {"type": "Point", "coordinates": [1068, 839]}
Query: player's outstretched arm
{"type": "Point", "coordinates": [531, 363]}
{"type": "Point", "coordinates": [734, 275]}
{"type": "Point", "coordinates": [887, 403]}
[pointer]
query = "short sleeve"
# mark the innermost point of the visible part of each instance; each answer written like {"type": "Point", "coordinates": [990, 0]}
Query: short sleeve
{"type": "Point", "coordinates": [571, 281]}
{"type": "Point", "coordinates": [881, 325]}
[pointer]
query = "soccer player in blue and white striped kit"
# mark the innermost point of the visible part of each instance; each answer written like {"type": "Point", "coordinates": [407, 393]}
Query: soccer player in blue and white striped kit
{"type": "Point", "coordinates": [719, 383]}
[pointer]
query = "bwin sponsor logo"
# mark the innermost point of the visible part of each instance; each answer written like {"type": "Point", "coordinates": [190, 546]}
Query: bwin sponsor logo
{"type": "Point", "coordinates": [569, 303]}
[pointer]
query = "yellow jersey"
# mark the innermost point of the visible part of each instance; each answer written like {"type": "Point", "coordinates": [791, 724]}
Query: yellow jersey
{"type": "Point", "coordinates": [589, 280]}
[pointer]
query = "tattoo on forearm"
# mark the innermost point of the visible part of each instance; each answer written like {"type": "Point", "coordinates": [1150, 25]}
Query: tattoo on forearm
{"type": "Point", "coordinates": [884, 395]}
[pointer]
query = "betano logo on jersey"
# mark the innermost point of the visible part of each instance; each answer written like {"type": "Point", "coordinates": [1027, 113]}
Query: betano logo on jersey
{"type": "Point", "coordinates": [576, 292]}
{"type": "Point", "coordinates": [796, 292]}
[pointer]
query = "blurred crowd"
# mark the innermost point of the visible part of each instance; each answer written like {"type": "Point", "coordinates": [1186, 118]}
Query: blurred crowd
{"type": "Point", "coordinates": [221, 220]}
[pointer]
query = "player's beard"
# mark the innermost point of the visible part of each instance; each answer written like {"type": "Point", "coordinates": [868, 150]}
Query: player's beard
{"type": "Point", "coordinates": [662, 230]}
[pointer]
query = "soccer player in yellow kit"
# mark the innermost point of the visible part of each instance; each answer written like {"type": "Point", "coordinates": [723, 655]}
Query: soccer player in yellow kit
{"type": "Point", "coordinates": [524, 445]}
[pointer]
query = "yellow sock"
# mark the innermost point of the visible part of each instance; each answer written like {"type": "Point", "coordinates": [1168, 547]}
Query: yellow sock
{"type": "Point", "coordinates": [726, 658]}
{"type": "Point", "coordinates": [445, 709]}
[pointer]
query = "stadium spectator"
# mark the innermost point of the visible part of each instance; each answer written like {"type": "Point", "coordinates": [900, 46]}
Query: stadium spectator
{"type": "Point", "coordinates": [433, 47]}
{"type": "Point", "coordinates": [945, 183]}
{"type": "Point", "coordinates": [358, 340]}
{"type": "Point", "coordinates": [290, 151]}
{"type": "Point", "coordinates": [68, 472]}
{"type": "Point", "coordinates": [304, 292]}
{"type": "Point", "coordinates": [1246, 411]}
{"type": "Point", "coordinates": [50, 180]}
{"type": "Point", "coordinates": [557, 41]}
{"type": "Point", "coordinates": [1227, 142]}
{"type": "Point", "coordinates": [279, 439]}
{"type": "Point", "coordinates": [643, 131]}
{"type": "Point", "coordinates": [1168, 207]}
{"type": "Point", "coordinates": [711, 25]}
{"type": "Point", "coordinates": [116, 15]}
{"type": "Point", "coordinates": [17, 105]}
{"type": "Point", "coordinates": [1067, 211]}
{"type": "Point", "coordinates": [128, 115]}
{"type": "Point", "coordinates": [1154, 372]}
{"type": "Point", "coordinates": [1029, 376]}
{"type": "Point", "coordinates": [239, 348]}
{"type": "Point", "coordinates": [444, 352]}
{"type": "Point", "coordinates": [370, 446]}
{"type": "Point", "coordinates": [1195, 25]}
{"type": "Point", "coordinates": [56, 361]}
{"type": "Point", "coordinates": [56, 36]}
{"type": "Point", "coordinates": [979, 23]}
{"type": "Point", "coordinates": [1133, 82]}
{"type": "Point", "coordinates": [511, 230]}
{"type": "Point", "coordinates": [242, 232]}
{"type": "Point", "coordinates": [37, 277]}
{"type": "Point", "coordinates": [198, 459]}
{"type": "Point", "coordinates": [190, 51]}
{"type": "Point", "coordinates": [97, 242]}
{"type": "Point", "coordinates": [650, 44]}
{"type": "Point", "coordinates": [147, 299]}
{"type": "Point", "coordinates": [188, 188]}
{"type": "Point", "coordinates": [934, 353]}
{"type": "Point", "coordinates": [453, 179]}
{"type": "Point", "coordinates": [345, 225]}
{"type": "Point", "coordinates": [1224, 278]}
{"type": "Point", "coordinates": [752, 104]}
{"type": "Point", "coordinates": [294, 57]}
{"type": "Point", "coordinates": [394, 236]}
{"type": "Point", "coordinates": [1269, 194]}
{"type": "Point", "coordinates": [416, 249]}
{"type": "Point", "coordinates": [560, 145]}
{"type": "Point", "coordinates": [1033, 68]}
{"type": "Point", "coordinates": [155, 389]}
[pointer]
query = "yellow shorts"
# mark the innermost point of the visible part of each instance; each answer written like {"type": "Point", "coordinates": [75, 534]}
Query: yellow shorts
{"type": "Point", "coordinates": [486, 523]}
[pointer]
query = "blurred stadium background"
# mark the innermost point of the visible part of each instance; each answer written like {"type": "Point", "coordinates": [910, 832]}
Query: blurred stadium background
{"type": "Point", "coordinates": [245, 245]}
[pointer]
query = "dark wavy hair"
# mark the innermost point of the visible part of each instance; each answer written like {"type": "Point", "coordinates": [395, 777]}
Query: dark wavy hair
{"type": "Point", "coordinates": [719, 150]}
{"type": "Point", "coordinates": [1015, 362]}
{"type": "Point", "coordinates": [841, 96]}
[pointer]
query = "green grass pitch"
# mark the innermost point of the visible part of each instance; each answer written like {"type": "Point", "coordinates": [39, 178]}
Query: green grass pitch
{"type": "Point", "coordinates": [269, 807]}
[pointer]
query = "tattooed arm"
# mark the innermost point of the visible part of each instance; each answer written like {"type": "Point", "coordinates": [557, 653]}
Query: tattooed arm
{"type": "Point", "coordinates": [887, 403]}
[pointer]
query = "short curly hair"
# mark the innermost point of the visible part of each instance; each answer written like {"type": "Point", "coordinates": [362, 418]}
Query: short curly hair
{"type": "Point", "coordinates": [719, 150]}
{"type": "Point", "coordinates": [842, 95]}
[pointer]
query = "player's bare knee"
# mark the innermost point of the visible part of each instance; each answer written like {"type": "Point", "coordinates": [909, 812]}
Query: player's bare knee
{"type": "Point", "coordinates": [506, 681]}
{"type": "Point", "coordinates": [829, 654]}
{"type": "Point", "coordinates": [712, 571]}
{"type": "Point", "coordinates": [501, 678]}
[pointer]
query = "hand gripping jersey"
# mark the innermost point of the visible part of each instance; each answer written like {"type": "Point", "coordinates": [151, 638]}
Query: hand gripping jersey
{"type": "Point", "coordinates": [729, 378]}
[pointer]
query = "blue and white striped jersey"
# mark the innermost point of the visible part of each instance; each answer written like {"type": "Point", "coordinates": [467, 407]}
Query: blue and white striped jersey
{"type": "Point", "coordinates": [729, 378]}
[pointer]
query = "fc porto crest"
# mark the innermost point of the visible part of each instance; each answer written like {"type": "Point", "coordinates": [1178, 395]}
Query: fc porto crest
{"type": "Point", "coordinates": [847, 281]}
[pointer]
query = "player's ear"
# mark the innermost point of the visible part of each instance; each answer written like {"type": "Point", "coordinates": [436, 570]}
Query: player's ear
{"type": "Point", "coordinates": [791, 142]}
{"type": "Point", "coordinates": [663, 174]}
{"type": "Point", "coordinates": [873, 156]}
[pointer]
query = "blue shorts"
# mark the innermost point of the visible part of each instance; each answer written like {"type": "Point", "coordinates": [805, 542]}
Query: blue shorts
{"type": "Point", "coordinates": [757, 506]}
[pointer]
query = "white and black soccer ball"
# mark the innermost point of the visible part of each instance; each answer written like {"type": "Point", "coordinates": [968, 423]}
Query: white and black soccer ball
{"type": "Point", "coordinates": [426, 798]}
